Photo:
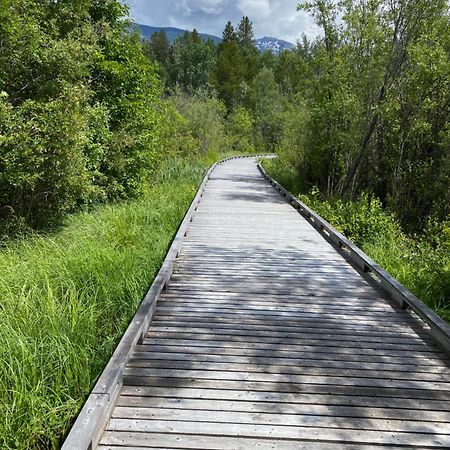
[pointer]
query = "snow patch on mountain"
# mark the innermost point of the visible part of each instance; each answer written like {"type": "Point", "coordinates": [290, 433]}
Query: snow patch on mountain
{"type": "Point", "coordinates": [275, 45]}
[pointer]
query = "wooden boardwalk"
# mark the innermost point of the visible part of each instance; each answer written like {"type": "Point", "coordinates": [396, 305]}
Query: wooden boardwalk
{"type": "Point", "coordinates": [266, 337]}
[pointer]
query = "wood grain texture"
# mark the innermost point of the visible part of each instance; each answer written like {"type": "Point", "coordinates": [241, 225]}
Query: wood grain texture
{"type": "Point", "coordinates": [266, 336]}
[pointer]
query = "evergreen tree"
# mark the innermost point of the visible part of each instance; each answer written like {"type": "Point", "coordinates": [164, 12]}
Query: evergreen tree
{"type": "Point", "coordinates": [246, 41]}
{"type": "Point", "coordinates": [245, 34]}
{"type": "Point", "coordinates": [229, 72]}
{"type": "Point", "coordinates": [195, 37]}
{"type": "Point", "coordinates": [228, 33]}
{"type": "Point", "coordinates": [160, 47]}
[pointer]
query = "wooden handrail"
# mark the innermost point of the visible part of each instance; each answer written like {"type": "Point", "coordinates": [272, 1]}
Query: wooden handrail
{"type": "Point", "coordinates": [439, 328]}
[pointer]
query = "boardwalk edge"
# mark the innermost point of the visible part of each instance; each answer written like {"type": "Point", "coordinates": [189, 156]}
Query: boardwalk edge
{"type": "Point", "coordinates": [438, 328]}
{"type": "Point", "coordinates": [87, 428]}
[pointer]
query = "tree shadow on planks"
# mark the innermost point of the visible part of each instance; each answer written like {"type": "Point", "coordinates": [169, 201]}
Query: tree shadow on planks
{"type": "Point", "coordinates": [277, 341]}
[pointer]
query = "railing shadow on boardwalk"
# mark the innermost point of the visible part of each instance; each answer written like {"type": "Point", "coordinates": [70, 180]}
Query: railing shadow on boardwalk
{"type": "Point", "coordinates": [324, 368]}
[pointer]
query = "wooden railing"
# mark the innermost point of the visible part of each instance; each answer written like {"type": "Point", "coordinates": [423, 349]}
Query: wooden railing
{"type": "Point", "coordinates": [438, 328]}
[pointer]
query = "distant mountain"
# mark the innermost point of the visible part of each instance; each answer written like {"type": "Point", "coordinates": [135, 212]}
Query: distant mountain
{"type": "Point", "coordinates": [264, 44]}
{"type": "Point", "coordinates": [275, 45]}
{"type": "Point", "coordinates": [172, 33]}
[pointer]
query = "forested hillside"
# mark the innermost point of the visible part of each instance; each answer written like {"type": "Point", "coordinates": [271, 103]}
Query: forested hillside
{"type": "Point", "coordinates": [104, 139]}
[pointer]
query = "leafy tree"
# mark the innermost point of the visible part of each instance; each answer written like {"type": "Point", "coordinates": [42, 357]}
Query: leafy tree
{"type": "Point", "coordinates": [376, 106]}
{"type": "Point", "coordinates": [265, 102]}
{"type": "Point", "coordinates": [404, 23]}
{"type": "Point", "coordinates": [267, 60]}
{"type": "Point", "coordinates": [191, 62]}
{"type": "Point", "coordinates": [206, 117]}
{"type": "Point", "coordinates": [125, 82]}
{"type": "Point", "coordinates": [240, 127]}
{"type": "Point", "coordinates": [76, 119]}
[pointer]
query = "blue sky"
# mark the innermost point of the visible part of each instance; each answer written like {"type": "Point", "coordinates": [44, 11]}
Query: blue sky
{"type": "Point", "coordinates": [277, 18]}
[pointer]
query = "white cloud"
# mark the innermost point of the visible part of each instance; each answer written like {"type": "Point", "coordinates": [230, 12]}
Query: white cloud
{"type": "Point", "coordinates": [256, 9]}
{"type": "Point", "coordinates": [277, 18]}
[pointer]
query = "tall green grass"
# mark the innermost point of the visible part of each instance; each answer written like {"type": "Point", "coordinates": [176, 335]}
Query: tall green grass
{"type": "Point", "coordinates": [420, 262]}
{"type": "Point", "coordinates": [66, 298]}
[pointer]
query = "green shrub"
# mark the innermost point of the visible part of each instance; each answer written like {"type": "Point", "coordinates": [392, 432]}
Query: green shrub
{"type": "Point", "coordinates": [77, 121]}
{"type": "Point", "coordinates": [206, 117]}
{"type": "Point", "coordinates": [240, 125]}
{"type": "Point", "coordinates": [44, 170]}
{"type": "Point", "coordinates": [362, 221]}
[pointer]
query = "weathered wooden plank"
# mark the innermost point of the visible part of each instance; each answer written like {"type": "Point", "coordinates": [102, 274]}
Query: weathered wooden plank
{"type": "Point", "coordinates": [205, 413]}
{"type": "Point", "coordinates": [281, 432]}
{"type": "Point", "coordinates": [266, 288]}
{"type": "Point", "coordinates": [210, 321]}
{"type": "Point", "coordinates": [279, 369]}
{"type": "Point", "coordinates": [147, 360]}
{"type": "Point", "coordinates": [365, 397]}
{"type": "Point", "coordinates": [306, 304]}
{"type": "Point", "coordinates": [306, 358]}
{"type": "Point", "coordinates": [293, 379]}
{"type": "Point", "coordinates": [294, 339]}
{"type": "Point", "coordinates": [269, 315]}
{"type": "Point", "coordinates": [165, 322]}
{"type": "Point", "coordinates": [317, 409]}
{"type": "Point", "coordinates": [192, 441]}
{"type": "Point", "coordinates": [287, 298]}
{"type": "Point", "coordinates": [344, 314]}
{"type": "Point", "coordinates": [312, 346]}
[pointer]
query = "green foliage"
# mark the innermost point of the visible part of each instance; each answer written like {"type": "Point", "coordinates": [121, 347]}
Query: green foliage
{"type": "Point", "coordinates": [245, 35]}
{"type": "Point", "coordinates": [158, 49]}
{"type": "Point", "coordinates": [76, 116]}
{"type": "Point", "coordinates": [240, 127]}
{"type": "Point", "coordinates": [229, 73]}
{"type": "Point", "coordinates": [44, 150]}
{"type": "Point", "coordinates": [228, 33]}
{"type": "Point", "coordinates": [265, 101]}
{"type": "Point", "coordinates": [126, 83]}
{"type": "Point", "coordinates": [363, 221]}
{"type": "Point", "coordinates": [68, 297]}
{"type": "Point", "coordinates": [375, 99]}
{"type": "Point", "coordinates": [246, 41]}
{"type": "Point", "coordinates": [291, 147]}
{"type": "Point", "coordinates": [206, 117]}
{"type": "Point", "coordinates": [174, 136]}
{"type": "Point", "coordinates": [192, 60]}
{"type": "Point", "coordinates": [287, 175]}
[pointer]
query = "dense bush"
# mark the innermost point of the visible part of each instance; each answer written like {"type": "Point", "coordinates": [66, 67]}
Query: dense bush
{"type": "Point", "coordinates": [363, 221]}
{"type": "Point", "coordinates": [206, 118]}
{"type": "Point", "coordinates": [76, 116]}
{"type": "Point", "coordinates": [45, 166]}
{"type": "Point", "coordinates": [240, 127]}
